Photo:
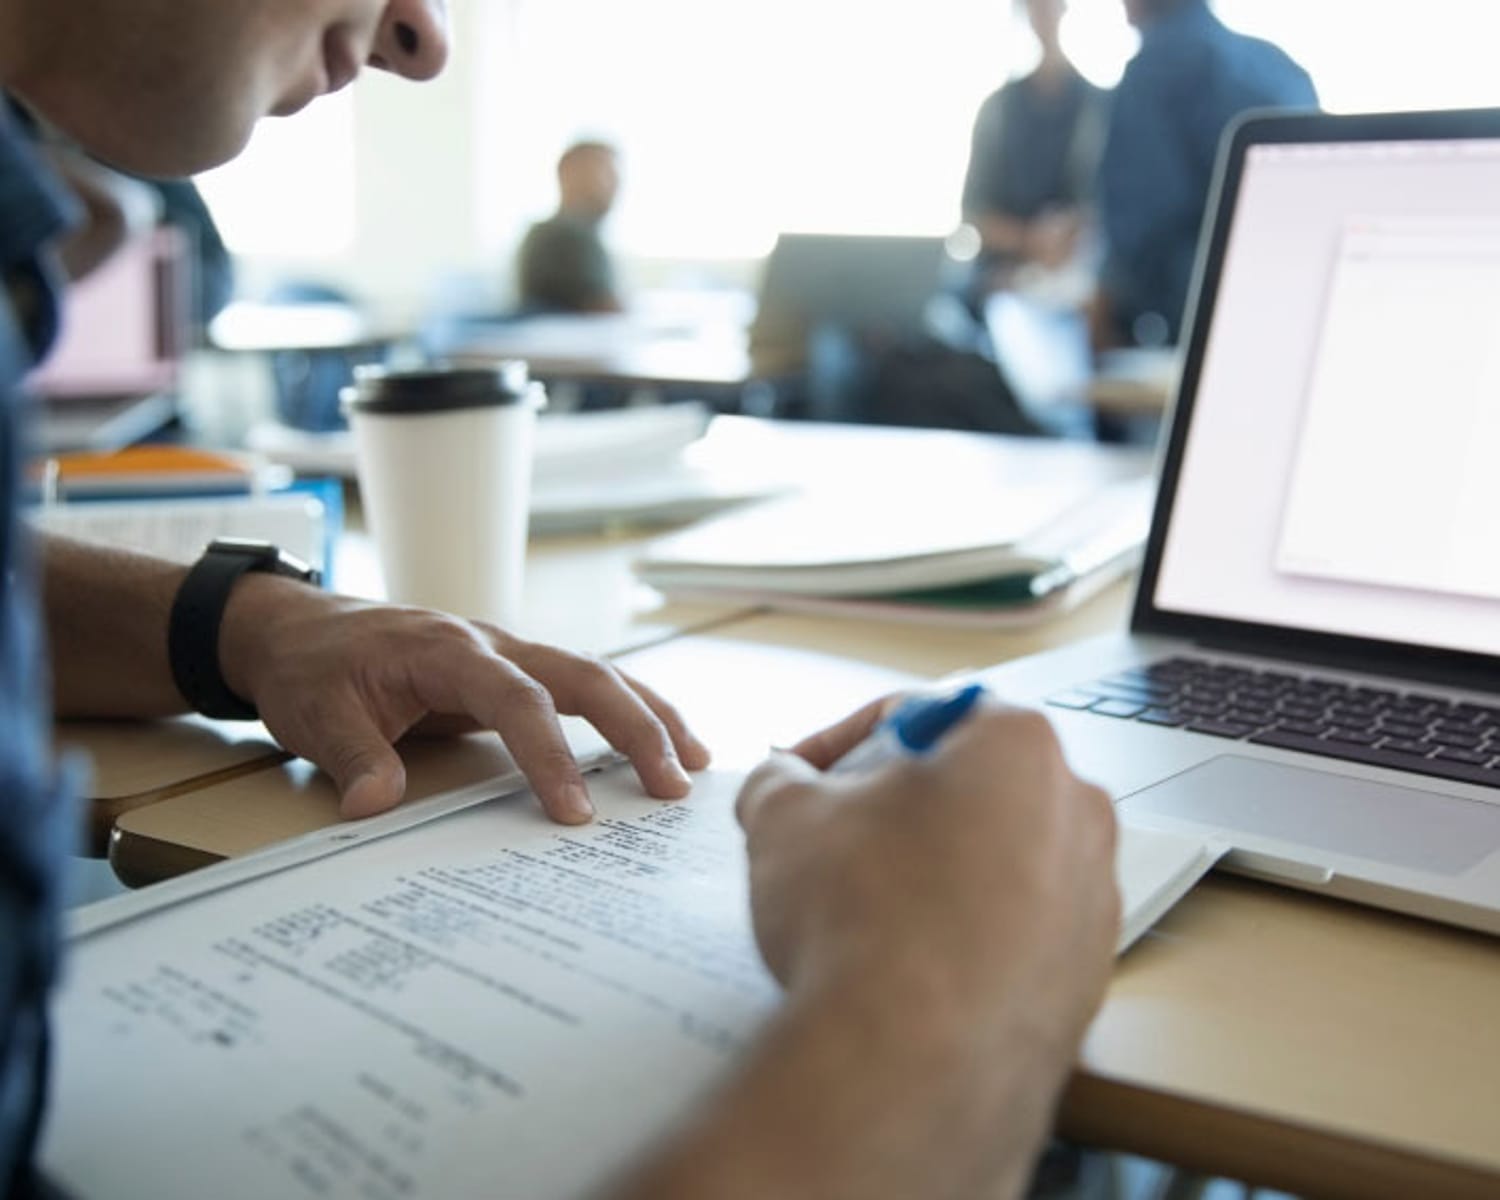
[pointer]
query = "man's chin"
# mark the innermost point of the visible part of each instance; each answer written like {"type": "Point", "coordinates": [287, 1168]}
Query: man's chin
{"type": "Point", "coordinates": [181, 153]}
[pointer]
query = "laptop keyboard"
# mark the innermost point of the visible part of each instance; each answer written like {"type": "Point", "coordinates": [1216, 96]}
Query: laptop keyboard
{"type": "Point", "coordinates": [1408, 731]}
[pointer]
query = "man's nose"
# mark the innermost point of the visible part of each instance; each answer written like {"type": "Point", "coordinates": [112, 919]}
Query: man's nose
{"type": "Point", "coordinates": [413, 38]}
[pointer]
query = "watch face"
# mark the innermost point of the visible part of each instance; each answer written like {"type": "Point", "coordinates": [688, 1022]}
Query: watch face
{"type": "Point", "coordinates": [265, 556]}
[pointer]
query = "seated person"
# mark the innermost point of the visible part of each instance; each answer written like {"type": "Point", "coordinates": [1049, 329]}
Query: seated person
{"type": "Point", "coordinates": [563, 265]}
{"type": "Point", "coordinates": [1001, 952]}
{"type": "Point", "coordinates": [1190, 79]}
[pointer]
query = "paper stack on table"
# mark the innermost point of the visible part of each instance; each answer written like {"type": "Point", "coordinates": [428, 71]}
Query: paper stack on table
{"type": "Point", "coordinates": [591, 470]}
{"type": "Point", "coordinates": [1010, 554]}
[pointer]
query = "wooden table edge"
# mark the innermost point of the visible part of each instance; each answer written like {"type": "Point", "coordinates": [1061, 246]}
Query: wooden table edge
{"type": "Point", "coordinates": [1305, 1160]}
{"type": "Point", "coordinates": [103, 812]}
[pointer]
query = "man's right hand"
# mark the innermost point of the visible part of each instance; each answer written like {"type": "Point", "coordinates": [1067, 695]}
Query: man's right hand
{"type": "Point", "coordinates": [978, 881]}
{"type": "Point", "coordinates": [944, 927]}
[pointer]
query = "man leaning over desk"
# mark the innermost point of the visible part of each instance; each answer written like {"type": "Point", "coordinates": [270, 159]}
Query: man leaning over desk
{"type": "Point", "coordinates": [943, 928]}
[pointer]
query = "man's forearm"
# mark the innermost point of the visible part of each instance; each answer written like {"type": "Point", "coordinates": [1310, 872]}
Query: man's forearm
{"type": "Point", "coordinates": [863, 1092]}
{"type": "Point", "coordinates": [106, 613]}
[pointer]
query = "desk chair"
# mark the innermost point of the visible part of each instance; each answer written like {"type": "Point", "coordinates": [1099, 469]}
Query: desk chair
{"type": "Point", "coordinates": [309, 379]}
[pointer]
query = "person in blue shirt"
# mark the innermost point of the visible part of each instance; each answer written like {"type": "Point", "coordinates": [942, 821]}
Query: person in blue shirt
{"type": "Point", "coordinates": [1191, 77]}
{"type": "Point", "coordinates": [999, 932]}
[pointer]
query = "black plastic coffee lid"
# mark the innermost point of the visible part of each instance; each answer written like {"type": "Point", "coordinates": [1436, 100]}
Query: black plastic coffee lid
{"type": "Point", "coordinates": [388, 392]}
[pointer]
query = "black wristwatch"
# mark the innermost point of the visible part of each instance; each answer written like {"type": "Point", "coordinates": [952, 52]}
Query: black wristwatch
{"type": "Point", "coordinates": [198, 611]}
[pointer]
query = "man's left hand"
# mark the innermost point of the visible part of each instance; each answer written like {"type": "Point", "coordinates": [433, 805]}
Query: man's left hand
{"type": "Point", "coordinates": [339, 681]}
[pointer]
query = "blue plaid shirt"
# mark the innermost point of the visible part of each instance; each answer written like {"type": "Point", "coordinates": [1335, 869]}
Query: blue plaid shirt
{"type": "Point", "coordinates": [1191, 78]}
{"type": "Point", "coordinates": [38, 823]}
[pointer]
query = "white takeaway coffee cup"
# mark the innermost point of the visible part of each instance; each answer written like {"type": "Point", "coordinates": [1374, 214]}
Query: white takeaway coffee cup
{"type": "Point", "coordinates": [444, 460]}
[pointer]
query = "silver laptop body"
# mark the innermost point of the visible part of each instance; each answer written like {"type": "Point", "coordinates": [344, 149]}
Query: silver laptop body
{"type": "Point", "coordinates": [1312, 671]}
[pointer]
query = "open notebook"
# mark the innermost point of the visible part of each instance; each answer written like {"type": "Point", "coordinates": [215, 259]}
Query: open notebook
{"type": "Point", "coordinates": [457, 999]}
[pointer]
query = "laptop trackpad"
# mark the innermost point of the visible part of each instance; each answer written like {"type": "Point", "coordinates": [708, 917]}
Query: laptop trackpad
{"type": "Point", "coordinates": [1403, 827]}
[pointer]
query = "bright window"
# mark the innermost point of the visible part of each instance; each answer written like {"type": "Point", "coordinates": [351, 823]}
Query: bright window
{"type": "Point", "coordinates": [739, 120]}
{"type": "Point", "coordinates": [291, 194]}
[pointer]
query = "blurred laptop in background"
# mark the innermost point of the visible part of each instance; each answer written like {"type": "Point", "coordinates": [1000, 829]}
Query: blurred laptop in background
{"type": "Point", "coordinates": [113, 376]}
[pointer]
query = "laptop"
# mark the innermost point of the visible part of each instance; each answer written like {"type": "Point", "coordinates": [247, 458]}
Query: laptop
{"type": "Point", "coordinates": [876, 284]}
{"type": "Point", "coordinates": [1311, 673]}
{"type": "Point", "coordinates": [112, 378]}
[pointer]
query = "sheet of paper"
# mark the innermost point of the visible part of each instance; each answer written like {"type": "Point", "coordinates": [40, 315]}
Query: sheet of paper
{"type": "Point", "coordinates": [1155, 869]}
{"type": "Point", "coordinates": [484, 1004]}
{"type": "Point", "coordinates": [179, 529]}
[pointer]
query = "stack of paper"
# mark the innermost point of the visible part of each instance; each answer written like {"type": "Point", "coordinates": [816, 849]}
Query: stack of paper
{"type": "Point", "coordinates": [1009, 553]}
{"type": "Point", "coordinates": [590, 469]}
{"type": "Point", "coordinates": [171, 501]}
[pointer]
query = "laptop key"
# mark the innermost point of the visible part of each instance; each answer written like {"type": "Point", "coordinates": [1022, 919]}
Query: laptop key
{"type": "Point", "coordinates": [1452, 726]}
{"type": "Point", "coordinates": [1473, 757]}
{"type": "Point", "coordinates": [1115, 691]}
{"type": "Point", "coordinates": [1407, 746]}
{"type": "Point", "coordinates": [1403, 729]}
{"type": "Point", "coordinates": [1360, 737]}
{"type": "Point", "coordinates": [1117, 708]}
{"type": "Point", "coordinates": [1164, 716]}
{"type": "Point", "coordinates": [1375, 756]}
{"type": "Point", "coordinates": [1223, 729]}
{"type": "Point", "coordinates": [1300, 712]}
{"type": "Point", "coordinates": [1306, 728]}
{"type": "Point", "coordinates": [1072, 700]}
{"type": "Point", "coordinates": [1462, 741]}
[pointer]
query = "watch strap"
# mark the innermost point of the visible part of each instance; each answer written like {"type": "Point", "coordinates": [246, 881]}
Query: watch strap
{"type": "Point", "coordinates": [198, 614]}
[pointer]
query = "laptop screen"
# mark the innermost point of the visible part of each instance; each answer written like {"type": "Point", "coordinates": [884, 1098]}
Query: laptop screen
{"type": "Point", "coordinates": [1341, 474]}
{"type": "Point", "coordinates": [125, 327]}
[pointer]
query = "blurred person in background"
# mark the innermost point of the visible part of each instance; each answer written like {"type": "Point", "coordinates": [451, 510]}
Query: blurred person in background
{"type": "Point", "coordinates": [563, 265]}
{"type": "Point", "coordinates": [1030, 184]}
{"type": "Point", "coordinates": [1191, 77]}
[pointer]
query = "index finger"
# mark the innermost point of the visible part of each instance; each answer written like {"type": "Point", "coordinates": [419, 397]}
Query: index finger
{"type": "Point", "coordinates": [827, 746]}
{"type": "Point", "coordinates": [500, 696]}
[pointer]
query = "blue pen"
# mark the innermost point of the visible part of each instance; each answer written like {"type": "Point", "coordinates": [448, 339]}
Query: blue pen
{"type": "Point", "coordinates": [914, 728]}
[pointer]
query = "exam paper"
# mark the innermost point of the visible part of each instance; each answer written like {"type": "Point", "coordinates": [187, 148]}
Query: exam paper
{"type": "Point", "coordinates": [482, 1005]}
{"type": "Point", "coordinates": [488, 1005]}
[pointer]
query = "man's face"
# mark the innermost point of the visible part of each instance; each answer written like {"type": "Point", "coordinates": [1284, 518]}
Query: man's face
{"type": "Point", "coordinates": [1046, 19]}
{"type": "Point", "coordinates": [171, 87]}
{"type": "Point", "coordinates": [590, 180]}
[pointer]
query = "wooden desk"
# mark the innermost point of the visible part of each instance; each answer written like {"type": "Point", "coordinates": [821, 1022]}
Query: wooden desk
{"type": "Point", "coordinates": [1301, 1043]}
{"type": "Point", "coordinates": [135, 764]}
